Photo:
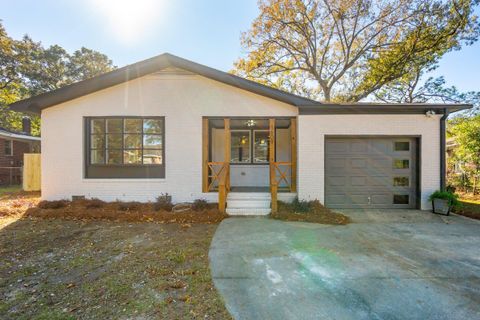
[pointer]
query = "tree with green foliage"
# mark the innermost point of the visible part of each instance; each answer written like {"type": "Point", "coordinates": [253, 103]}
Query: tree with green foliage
{"type": "Point", "coordinates": [348, 50]}
{"type": "Point", "coordinates": [27, 69]}
{"type": "Point", "coordinates": [411, 89]}
{"type": "Point", "coordinates": [466, 133]}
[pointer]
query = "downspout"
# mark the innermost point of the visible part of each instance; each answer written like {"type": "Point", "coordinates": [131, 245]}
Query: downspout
{"type": "Point", "coordinates": [443, 161]}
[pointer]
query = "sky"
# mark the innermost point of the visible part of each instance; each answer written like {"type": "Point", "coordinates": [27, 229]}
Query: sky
{"type": "Point", "coordinates": [205, 31]}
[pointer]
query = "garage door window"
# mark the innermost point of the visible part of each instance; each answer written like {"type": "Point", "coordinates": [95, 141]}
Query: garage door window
{"type": "Point", "coordinates": [401, 182]}
{"type": "Point", "coordinates": [401, 164]}
{"type": "Point", "coordinates": [400, 199]}
{"type": "Point", "coordinates": [402, 146]}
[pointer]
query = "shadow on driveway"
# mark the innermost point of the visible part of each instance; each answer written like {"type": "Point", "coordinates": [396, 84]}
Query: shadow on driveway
{"type": "Point", "coordinates": [388, 264]}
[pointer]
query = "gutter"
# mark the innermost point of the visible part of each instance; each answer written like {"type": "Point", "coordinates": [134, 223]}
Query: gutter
{"type": "Point", "coordinates": [443, 153]}
{"type": "Point", "coordinates": [19, 136]}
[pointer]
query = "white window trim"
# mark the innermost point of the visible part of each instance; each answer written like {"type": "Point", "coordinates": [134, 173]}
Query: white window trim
{"type": "Point", "coordinates": [11, 148]}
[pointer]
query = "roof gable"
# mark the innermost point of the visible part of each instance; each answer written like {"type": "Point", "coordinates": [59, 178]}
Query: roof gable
{"type": "Point", "coordinates": [145, 67]}
{"type": "Point", "coordinates": [167, 62]}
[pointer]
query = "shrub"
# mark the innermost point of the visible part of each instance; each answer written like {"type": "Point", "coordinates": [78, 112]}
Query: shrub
{"type": "Point", "coordinates": [163, 202]}
{"type": "Point", "coordinates": [93, 203]}
{"type": "Point", "coordinates": [57, 204]}
{"type": "Point", "coordinates": [301, 206]}
{"type": "Point", "coordinates": [445, 195]}
{"type": "Point", "coordinates": [128, 206]}
{"type": "Point", "coordinates": [200, 205]}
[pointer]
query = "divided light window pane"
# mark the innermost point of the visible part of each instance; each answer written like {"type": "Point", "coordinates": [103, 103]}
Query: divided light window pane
{"type": "Point", "coordinates": [133, 126]}
{"type": "Point", "coordinates": [401, 182]}
{"type": "Point", "coordinates": [132, 156]}
{"type": "Point", "coordinates": [152, 126]}
{"type": "Point", "coordinates": [151, 141]}
{"type": "Point", "coordinates": [114, 141]}
{"type": "Point", "coordinates": [402, 146]}
{"type": "Point", "coordinates": [152, 156]}
{"type": "Point", "coordinates": [114, 125]}
{"type": "Point", "coordinates": [97, 156]}
{"type": "Point", "coordinates": [133, 141]}
{"type": "Point", "coordinates": [401, 164]}
{"type": "Point", "coordinates": [114, 156]}
{"type": "Point", "coordinates": [260, 146]}
{"type": "Point", "coordinates": [401, 199]}
{"type": "Point", "coordinates": [240, 146]}
{"type": "Point", "coordinates": [126, 141]}
{"type": "Point", "coordinates": [98, 126]}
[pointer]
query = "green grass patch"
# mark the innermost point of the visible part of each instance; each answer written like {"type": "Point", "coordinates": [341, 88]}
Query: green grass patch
{"type": "Point", "coordinates": [469, 208]}
{"type": "Point", "coordinates": [10, 189]}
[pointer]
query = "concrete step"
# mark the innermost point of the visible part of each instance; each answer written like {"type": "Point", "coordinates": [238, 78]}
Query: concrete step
{"type": "Point", "coordinates": [248, 211]}
{"type": "Point", "coordinates": [249, 196]}
{"type": "Point", "coordinates": [248, 203]}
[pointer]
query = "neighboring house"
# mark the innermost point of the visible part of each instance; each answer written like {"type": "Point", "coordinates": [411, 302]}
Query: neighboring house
{"type": "Point", "coordinates": [12, 147]}
{"type": "Point", "coordinates": [169, 125]}
{"type": "Point", "coordinates": [457, 166]}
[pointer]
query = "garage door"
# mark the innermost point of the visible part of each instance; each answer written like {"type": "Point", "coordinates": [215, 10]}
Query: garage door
{"type": "Point", "coordinates": [370, 172]}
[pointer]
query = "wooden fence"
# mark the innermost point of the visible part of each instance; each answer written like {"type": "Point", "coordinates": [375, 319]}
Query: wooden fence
{"type": "Point", "coordinates": [31, 172]}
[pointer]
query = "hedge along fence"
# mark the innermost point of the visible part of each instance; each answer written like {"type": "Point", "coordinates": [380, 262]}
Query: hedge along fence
{"type": "Point", "coordinates": [31, 172]}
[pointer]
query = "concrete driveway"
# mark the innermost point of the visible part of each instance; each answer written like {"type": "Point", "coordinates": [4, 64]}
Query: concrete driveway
{"type": "Point", "coordinates": [390, 264]}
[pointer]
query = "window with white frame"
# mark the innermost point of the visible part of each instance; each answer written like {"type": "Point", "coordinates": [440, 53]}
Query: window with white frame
{"type": "Point", "coordinates": [8, 148]}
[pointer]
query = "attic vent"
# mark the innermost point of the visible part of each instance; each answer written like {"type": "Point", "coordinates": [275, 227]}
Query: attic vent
{"type": "Point", "coordinates": [173, 72]}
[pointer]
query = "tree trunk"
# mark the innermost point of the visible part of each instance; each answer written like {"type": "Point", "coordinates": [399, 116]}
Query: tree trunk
{"type": "Point", "coordinates": [474, 191]}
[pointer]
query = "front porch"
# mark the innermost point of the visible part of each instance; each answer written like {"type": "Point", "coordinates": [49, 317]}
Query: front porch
{"type": "Point", "coordinates": [250, 155]}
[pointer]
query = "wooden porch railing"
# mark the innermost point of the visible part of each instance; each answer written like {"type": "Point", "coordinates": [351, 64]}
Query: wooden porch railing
{"type": "Point", "coordinates": [277, 176]}
{"type": "Point", "coordinates": [219, 180]}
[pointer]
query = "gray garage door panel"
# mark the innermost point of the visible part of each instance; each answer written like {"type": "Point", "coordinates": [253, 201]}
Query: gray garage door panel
{"type": "Point", "coordinates": [370, 172]}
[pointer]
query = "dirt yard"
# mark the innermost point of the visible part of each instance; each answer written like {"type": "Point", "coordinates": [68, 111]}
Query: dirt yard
{"type": "Point", "coordinates": [74, 269]}
{"type": "Point", "coordinates": [311, 211]}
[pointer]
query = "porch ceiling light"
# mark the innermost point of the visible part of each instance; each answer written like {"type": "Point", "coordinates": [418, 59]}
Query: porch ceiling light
{"type": "Point", "coordinates": [250, 123]}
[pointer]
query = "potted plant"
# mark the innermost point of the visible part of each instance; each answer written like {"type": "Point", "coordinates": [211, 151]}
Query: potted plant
{"type": "Point", "coordinates": [443, 201]}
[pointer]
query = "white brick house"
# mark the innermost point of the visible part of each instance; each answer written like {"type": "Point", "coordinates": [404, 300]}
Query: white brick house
{"type": "Point", "coordinates": [169, 125]}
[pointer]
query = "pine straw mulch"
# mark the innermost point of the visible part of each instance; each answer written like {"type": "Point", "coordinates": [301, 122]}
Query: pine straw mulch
{"type": "Point", "coordinates": [312, 211]}
{"type": "Point", "coordinates": [16, 203]}
{"type": "Point", "coordinates": [122, 212]}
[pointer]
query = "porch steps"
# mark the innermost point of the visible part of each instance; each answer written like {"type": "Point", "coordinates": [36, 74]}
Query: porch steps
{"type": "Point", "coordinates": [248, 203]}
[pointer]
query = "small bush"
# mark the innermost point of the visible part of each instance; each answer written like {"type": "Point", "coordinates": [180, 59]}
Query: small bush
{"type": "Point", "coordinates": [445, 195]}
{"type": "Point", "coordinates": [200, 205]}
{"type": "Point", "coordinates": [164, 202]}
{"type": "Point", "coordinates": [128, 206]}
{"type": "Point", "coordinates": [301, 206]}
{"type": "Point", "coordinates": [53, 204]}
{"type": "Point", "coordinates": [94, 203]}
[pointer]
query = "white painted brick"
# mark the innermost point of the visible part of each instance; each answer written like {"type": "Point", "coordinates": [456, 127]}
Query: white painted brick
{"type": "Point", "coordinates": [311, 138]}
{"type": "Point", "coordinates": [182, 100]}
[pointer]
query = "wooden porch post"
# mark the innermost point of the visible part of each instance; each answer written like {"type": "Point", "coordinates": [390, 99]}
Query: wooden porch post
{"type": "Point", "coordinates": [227, 151]}
{"type": "Point", "coordinates": [224, 183]}
{"type": "Point", "coordinates": [271, 144]}
{"type": "Point", "coordinates": [205, 148]}
{"type": "Point", "coordinates": [293, 137]}
{"type": "Point", "coordinates": [227, 140]}
{"type": "Point", "coordinates": [271, 159]}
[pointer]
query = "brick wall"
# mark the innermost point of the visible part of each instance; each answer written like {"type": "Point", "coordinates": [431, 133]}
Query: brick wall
{"type": "Point", "coordinates": [183, 100]}
{"type": "Point", "coordinates": [311, 138]}
{"type": "Point", "coordinates": [15, 160]}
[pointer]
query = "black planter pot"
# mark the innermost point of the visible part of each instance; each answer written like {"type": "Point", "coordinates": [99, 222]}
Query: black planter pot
{"type": "Point", "coordinates": [441, 206]}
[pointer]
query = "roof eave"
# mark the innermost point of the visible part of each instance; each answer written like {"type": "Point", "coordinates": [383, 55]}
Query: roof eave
{"type": "Point", "coordinates": [376, 108]}
{"type": "Point", "coordinates": [142, 68]}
